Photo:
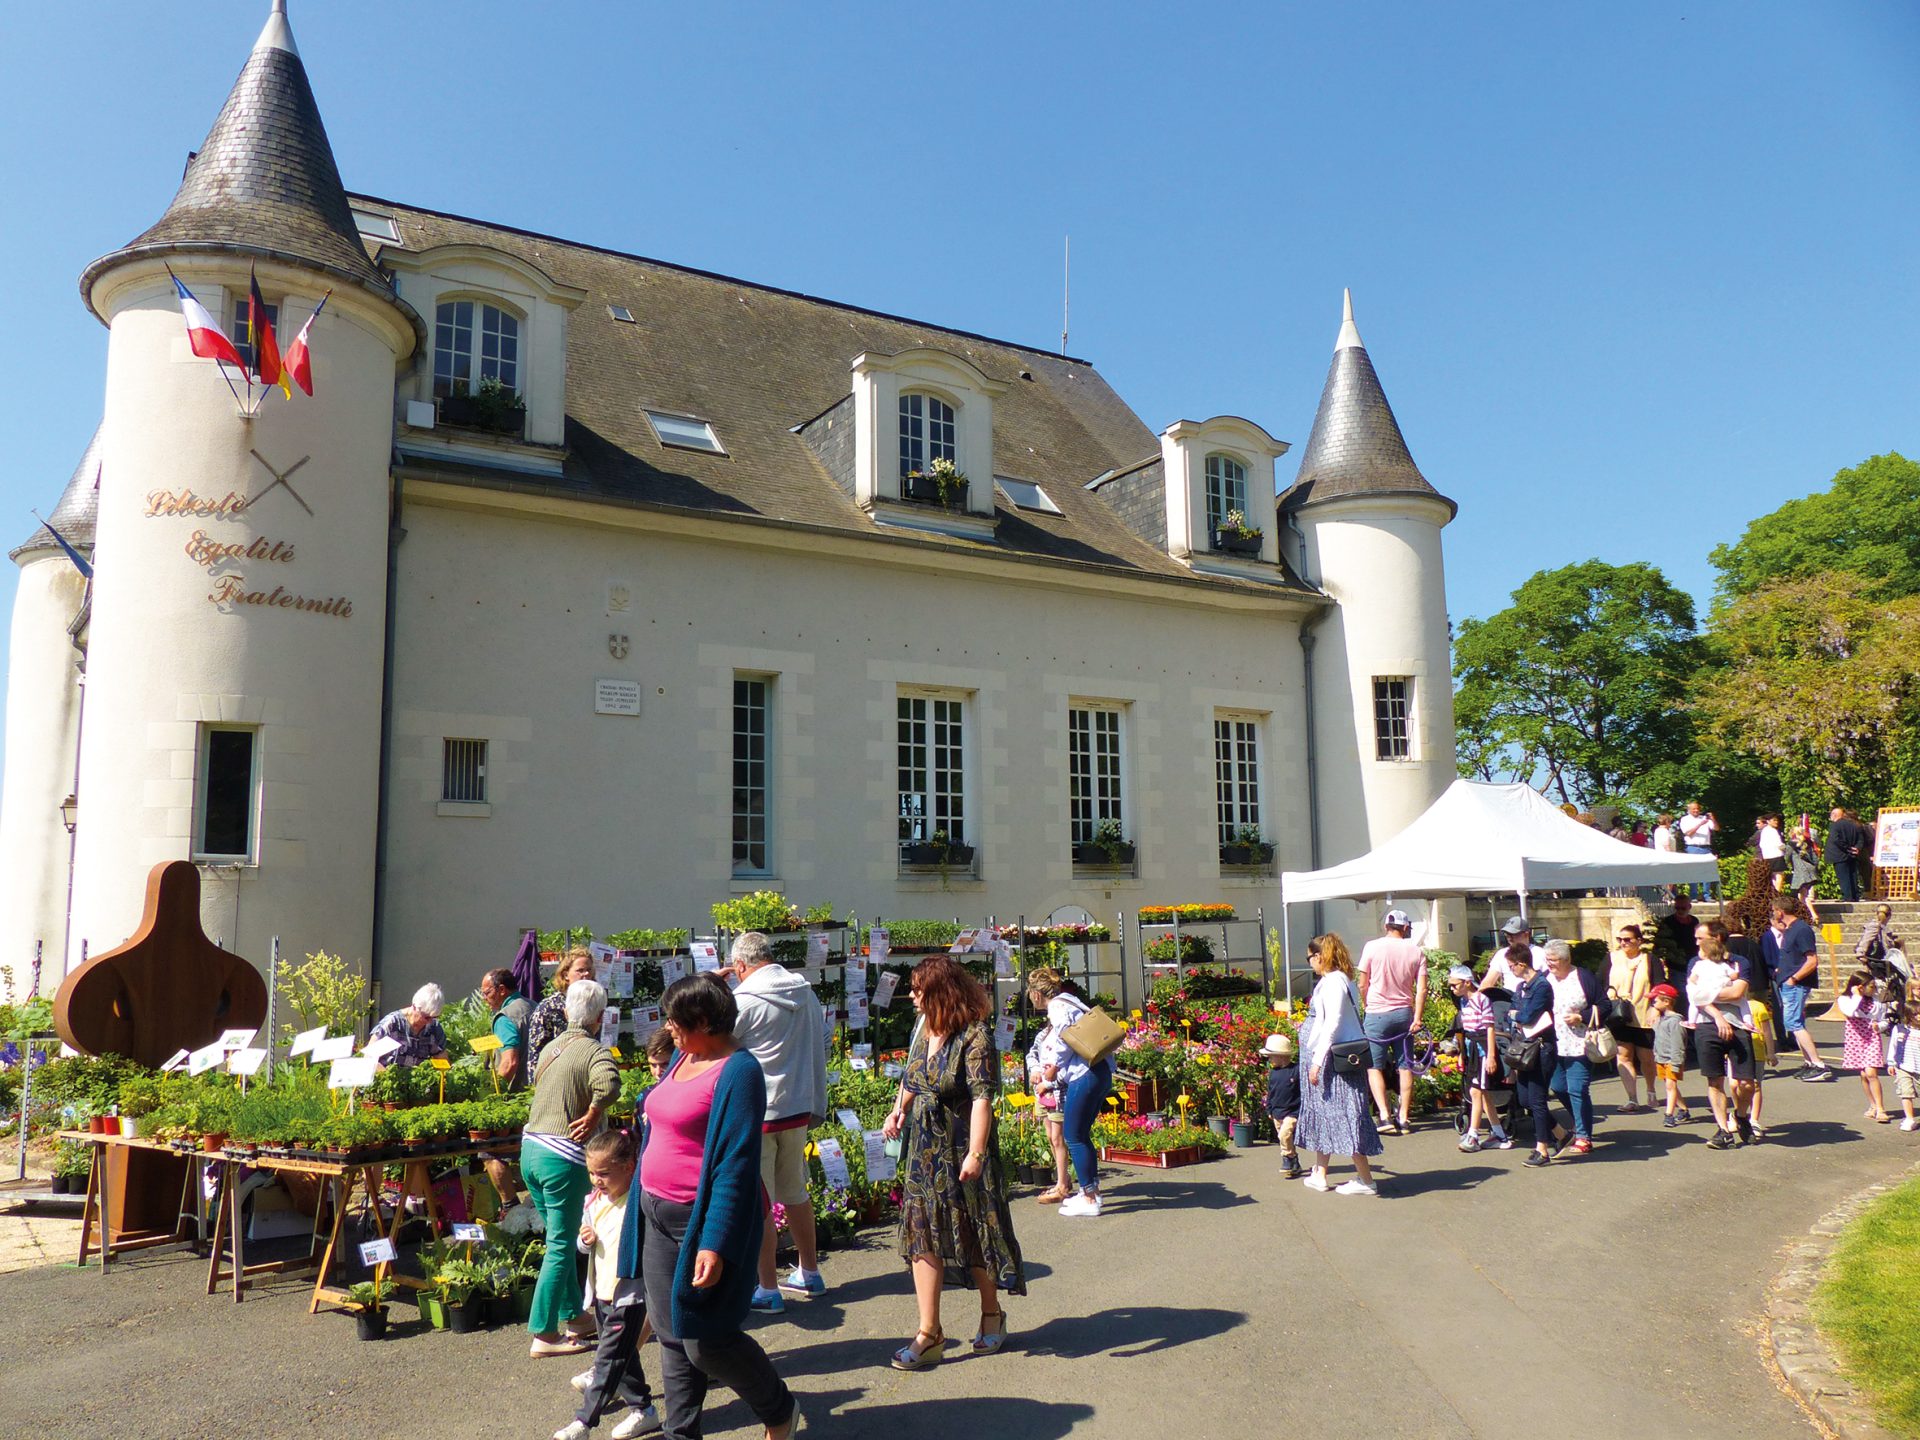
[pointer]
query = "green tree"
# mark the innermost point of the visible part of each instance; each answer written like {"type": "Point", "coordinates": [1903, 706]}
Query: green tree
{"type": "Point", "coordinates": [1579, 685]}
{"type": "Point", "coordinates": [1867, 523]}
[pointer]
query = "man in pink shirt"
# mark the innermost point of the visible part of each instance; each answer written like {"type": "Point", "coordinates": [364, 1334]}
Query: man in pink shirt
{"type": "Point", "coordinates": [1393, 990]}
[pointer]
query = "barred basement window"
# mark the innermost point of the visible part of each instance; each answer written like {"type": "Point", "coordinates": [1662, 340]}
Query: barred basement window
{"type": "Point", "coordinates": [1236, 773]}
{"type": "Point", "coordinates": [463, 772]}
{"type": "Point", "coordinates": [229, 787]}
{"type": "Point", "coordinates": [1392, 704]}
{"type": "Point", "coordinates": [750, 777]}
{"type": "Point", "coordinates": [926, 433]}
{"type": "Point", "coordinates": [1093, 770]}
{"type": "Point", "coordinates": [931, 742]}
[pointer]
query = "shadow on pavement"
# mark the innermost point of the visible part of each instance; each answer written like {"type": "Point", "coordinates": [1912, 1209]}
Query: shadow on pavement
{"type": "Point", "coordinates": [1172, 1195]}
{"type": "Point", "coordinates": [1009, 1417]}
{"type": "Point", "coordinates": [1804, 1134]}
{"type": "Point", "coordinates": [1399, 1183]}
{"type": "Point", "coordinates": [1127, 1332]}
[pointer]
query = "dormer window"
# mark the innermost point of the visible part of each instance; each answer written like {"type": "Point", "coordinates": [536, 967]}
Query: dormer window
{"type": "Point", "coordinates": [1220, 495]}
{"type": "Point", "coordinates": [462, 358]}
{"type": "Point", "coordinates": [1226, 490]}
{"type": "Point", "coordinates": [926, 433]}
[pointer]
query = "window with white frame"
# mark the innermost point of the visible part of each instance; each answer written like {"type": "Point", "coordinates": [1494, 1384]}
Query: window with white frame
{"type": "Point", "coordinates": [227, 801]}
{"type": "Point", "coordinates": [930, 734]}
{"type": "Point", "coordinates": [752, 776]}
{"type": "Point", "coordinates": [926, 433]}
{"type": "Point", "coordinates": [242, 321]}
{"type": "Point", "coordinates": [463, 772]}
{"type": "Point", "coordinates": [474, 341]}
{"type": "Point", "coordinates": [1392, 717]}
{"type": "Point", "coordinates": [1226, 489]}
{"type": "Point", "coordinates": [1236, 775]}
{"type": "Point", "coordinates": [1094, 769]}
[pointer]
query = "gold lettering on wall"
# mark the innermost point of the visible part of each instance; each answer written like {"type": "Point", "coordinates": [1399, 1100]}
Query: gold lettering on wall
{"type": "Point", "coordinates": [204, 550]}
{"type": "Point", "coordinates": [185, 502]}
{"type": "Point", "coordinates": [232, 591]}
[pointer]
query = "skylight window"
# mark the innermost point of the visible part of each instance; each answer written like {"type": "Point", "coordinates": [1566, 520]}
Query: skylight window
{"type": "Point", "coordinates": [621, 313]}
{"type": "Point", "coordinates": [1026, 495]}
{"type": "Point", "coordinates": [682, 432]}
{"type": "Point", "coordinates": [375, 227]}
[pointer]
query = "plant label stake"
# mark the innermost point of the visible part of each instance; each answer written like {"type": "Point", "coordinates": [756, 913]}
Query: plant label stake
{"type": "Point", "coordinates": [483, 1045]}
{"type": "Point", "coordinates": [440, 1063]}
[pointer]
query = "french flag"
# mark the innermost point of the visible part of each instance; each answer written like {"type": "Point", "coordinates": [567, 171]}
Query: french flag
{"type": "Point", "coordinates": [206, 338]}
{"type": "Point", "coordinates": [299, 360]}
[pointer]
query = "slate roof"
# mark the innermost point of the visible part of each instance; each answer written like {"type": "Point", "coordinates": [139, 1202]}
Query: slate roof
{"type": "Point", "coordinates": [264, 181]}
{"type": "Point", "coordinates": [78, 509]}
{"type": "Point", "coordinates": [1356, 447]}
{"type": "Point", "coordinates": [757, 362]}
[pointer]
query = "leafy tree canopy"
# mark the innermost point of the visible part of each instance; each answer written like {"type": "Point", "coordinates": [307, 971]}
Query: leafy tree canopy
{"type": "Point", "coordinates": [1867, 523]}
{"type": "Point", "coordinates": [1579, 685]}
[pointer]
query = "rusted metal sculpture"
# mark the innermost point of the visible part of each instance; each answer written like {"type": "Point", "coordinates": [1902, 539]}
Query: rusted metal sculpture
{"type": "Point", "coordinates": [169, 988]}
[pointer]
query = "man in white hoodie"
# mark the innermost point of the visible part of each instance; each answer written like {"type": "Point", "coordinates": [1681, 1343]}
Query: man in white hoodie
{"type": "Point", "coordinates": [781, 1023]}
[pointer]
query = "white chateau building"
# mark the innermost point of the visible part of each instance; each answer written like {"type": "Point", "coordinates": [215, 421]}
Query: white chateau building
{"type": "Point", "coordinates": [405, 668]}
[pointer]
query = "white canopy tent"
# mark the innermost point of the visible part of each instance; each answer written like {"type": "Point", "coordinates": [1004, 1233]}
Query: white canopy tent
{"type": "Point", "coordinates": [1481, 839]}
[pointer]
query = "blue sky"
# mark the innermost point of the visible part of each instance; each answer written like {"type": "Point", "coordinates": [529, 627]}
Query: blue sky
{"type": "Point", "coordinates": [1631, 274]}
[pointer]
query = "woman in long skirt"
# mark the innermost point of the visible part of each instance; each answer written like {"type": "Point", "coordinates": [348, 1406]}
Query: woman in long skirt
{"type": "Point", "coordinates": [1335, 1118]}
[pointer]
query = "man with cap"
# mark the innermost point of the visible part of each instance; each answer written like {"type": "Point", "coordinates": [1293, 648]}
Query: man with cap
{"type": "Point", "coordinates": [1500, 974]}
{"type": "Point", "coordinates": [1393, 989]}
{"type": "Point", "coordinates": [1283, 1100]}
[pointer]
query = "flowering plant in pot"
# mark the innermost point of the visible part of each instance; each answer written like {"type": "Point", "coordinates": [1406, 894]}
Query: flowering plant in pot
{"type": "Point", "coordinates": [1108, 846]}
{"type": "Point", "coordinates": [1235, 536]}
{"type": "Point", "coordinates": [368, 1302]}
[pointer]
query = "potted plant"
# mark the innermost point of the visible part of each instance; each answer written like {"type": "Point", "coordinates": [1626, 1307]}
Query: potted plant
{"type": "Point", "coordinates": [1233, 536]}
{"type": "Point", "coordinates": [1248, 847]}
{"type": "Point", "coordinates": [939, 484]}
{"type": "Point", "coordinates": [458, 1283]}
{"type": "Point", "coordinates": [494, 407]}
{"type": "Point", "coordinates": [368, 1302]}
{"type": "Point", "coordinates": [938, 849]}
{"type": "Point", "coordinates": [72, 1163]}
{"type": "Point", "coordinates": [1108, 847]}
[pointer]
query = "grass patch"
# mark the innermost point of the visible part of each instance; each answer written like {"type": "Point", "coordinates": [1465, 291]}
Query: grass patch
{"type": "Point", "coordinates": [1868, 1305]}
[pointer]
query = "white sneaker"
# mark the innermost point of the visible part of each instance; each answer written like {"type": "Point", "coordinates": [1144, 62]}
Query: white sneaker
{"type": "Point", "coordinates": [1316, 1181]}
{"type": "Point", "coordinates": [581, 1381]}
{"type": "Point", "coordinates": [572, 1430]}
{"type": "Point", "coordinates": [643, 1421]}
{"type": "Point", "coordinates": [1910, 1124]}
{"type": "Point", "coordinates": [1083, 1204]}
{"type": "Point", "coordinates": [1357, 1187]}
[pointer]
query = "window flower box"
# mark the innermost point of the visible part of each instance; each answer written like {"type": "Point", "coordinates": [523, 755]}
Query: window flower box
{"type": "Point", "coordinates": [931, 490]}
{"type": "Point", "coordinates": [1234, 542]}
{"type": "Point", "coordinates": [495, 414]}
{"type": "Point", "coordinates": [1118, 853]}
{"type": "Point", "coordinates": [1246, 854]}
{"type": "Point", "coordinates": [918, 852]}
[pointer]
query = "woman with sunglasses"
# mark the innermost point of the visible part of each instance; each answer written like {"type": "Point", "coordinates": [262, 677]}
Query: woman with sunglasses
{"type": "Point", "coordinates": [1631, 981]}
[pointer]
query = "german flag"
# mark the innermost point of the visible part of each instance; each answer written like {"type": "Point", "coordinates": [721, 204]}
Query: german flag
{"type": "Point", "coordinates": [266, 349]}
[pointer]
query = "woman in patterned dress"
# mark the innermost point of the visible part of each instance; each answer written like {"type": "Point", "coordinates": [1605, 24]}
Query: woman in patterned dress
{"type": "Point", "coordinates": [955, 1227]}
{"type": "Point", "coordinates": [549, 1019]}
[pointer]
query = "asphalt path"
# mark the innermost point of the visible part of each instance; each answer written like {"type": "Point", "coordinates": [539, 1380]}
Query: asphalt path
{"type": "Point", "coordinates": [1617, 1294]}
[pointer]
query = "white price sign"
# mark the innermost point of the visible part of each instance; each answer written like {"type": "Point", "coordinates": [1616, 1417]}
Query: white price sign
{"type": "Point", "coordinates": [377, 1252]}
{"type": "Point", "coordinates": [1002, 960]}
{"type": "Point", "coordinates": [817, 950]}
{"type": "Point", "coordinates": [351, 1073]}
{"type": "Point", "coordinates": [849, 1119]}
{"type": "Point", "coordinates": [306, 1040]}
{"type": "Point", "coordinates": [706, 956]}
{"type": "Point", "coordinates": [238, 1039]}
{"type": "Point", "coordinates": [477, 1233]}
{"type": "Point", "coordinates": [883, 991]}
{"type": "Point", "coordinates": [246, 1062]}
{"type": "Point", "coordinates": [1003, 1033]}
{"type": "Point", "coordinates": [879, 945]}
{"type": "Point", "coordinates": [380, 1047]}
{"type": "Point", "coordinates": [672, 968]}
{"type": "Point", "coordinates": [180, 1057]}
{"type": "Point", "coordinates": [338, 1048]}
{"type": "Point", "coordinates": [856, 1012]}
{"type": "Point", "coordinates": [880, 1165]}
{"type": "Point", "coordinates": [205, 1058]}
{"type": "Point", "coordinates": [833, 1163]}
{"type": "Point", "coordinates": [609, 1025]}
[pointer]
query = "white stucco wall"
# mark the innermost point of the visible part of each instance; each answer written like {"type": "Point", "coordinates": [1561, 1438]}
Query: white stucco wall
{"type": "Point", "coordinates": [168, 653]}
{"type": "Point", "coordinates": [1381, 559]}
{"type": "Point", "coordinates": [613, 821]}
{"type": "Point", "coordinates": [42, 712]}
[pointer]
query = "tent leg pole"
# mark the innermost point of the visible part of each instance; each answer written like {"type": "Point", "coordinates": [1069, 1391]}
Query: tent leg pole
{"type": "Point", "coordinates": [1286, 952]}
{"type": "Point", "coordinates": [1522, 896]}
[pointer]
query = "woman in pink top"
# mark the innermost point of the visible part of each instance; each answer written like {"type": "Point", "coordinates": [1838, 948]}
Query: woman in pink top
{"type": "Point", "coordinates": [1393, 986]}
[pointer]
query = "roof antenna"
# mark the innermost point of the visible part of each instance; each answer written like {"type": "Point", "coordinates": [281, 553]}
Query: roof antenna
{"type": "Point", "coordinates": [1066, 289]}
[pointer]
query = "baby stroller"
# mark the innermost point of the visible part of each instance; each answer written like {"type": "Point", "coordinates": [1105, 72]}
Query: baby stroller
{"type": "Point", "coordinates": [1501, 1096]}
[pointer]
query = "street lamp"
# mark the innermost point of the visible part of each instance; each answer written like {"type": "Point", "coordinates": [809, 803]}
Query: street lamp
{"type": "Point", "coordinates": [70, 812]}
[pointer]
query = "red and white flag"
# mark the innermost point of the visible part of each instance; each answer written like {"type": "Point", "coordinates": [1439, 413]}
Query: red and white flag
{"type": "Point", "coordinates": [209, 342]}
{"type": "Point", "coordinates": [299, 361]}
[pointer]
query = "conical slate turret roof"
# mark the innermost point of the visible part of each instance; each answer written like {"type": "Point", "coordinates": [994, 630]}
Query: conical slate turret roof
{"type": "Point", "coordinates": [78, 508]}
{"type": "Point", "coordinates": [1356, 447]}
{"type": "Point", "coordinates": [264, 182]}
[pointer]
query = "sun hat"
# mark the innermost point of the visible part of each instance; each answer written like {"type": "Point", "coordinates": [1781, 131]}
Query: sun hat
{"type": "Point", "coordinates": [1460, 972]}
{"type": "Point", "coordinates": [1398, 920]}
{"type": "Point", "coordinates": [1281, 1045]}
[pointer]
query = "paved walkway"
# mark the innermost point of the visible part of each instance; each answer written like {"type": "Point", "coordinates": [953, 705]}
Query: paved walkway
{"type": "Point", "coordinates": [1618, 1293]}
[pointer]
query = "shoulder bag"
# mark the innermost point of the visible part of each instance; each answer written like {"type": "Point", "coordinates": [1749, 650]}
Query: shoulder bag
{"type": "Point", "coordinates": [1351, 1054]}
{"type": "Point", "coordinates": [1094, 1036]}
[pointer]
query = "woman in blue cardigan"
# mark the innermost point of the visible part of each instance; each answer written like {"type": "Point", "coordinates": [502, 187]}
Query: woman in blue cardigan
{"type": "Point", "coordinates": [698, 1252]}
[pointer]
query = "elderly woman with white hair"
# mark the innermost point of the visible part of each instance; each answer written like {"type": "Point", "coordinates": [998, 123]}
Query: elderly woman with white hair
{"type": "Point", "coordinates": [573, 1085]}
{"type": "Point", "coordinates": [415, 1030]}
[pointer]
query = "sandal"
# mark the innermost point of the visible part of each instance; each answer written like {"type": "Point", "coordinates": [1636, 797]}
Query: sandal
{"type": "Point", "coordinates": [925, 1358]}
{"type": "Point", "coordinates": [985, 1344]}
{"type": "Point", "coordinates": [1051, 1197]}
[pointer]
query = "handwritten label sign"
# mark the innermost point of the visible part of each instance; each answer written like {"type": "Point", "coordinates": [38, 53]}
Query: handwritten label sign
{"type": "Point", "coordinates": [879, 944]}
{"type": "Point", "coordinates": [883, 992]}
{"type": "Point", "coordinates": [833, 1162]}
{"type": "Point", "coordinates": [481, 1044]}
{"type": "Point", "coordinates": [351, 1073]}
{"type": "Point", "coordinates": [616, 697]}
{"type": "Point", "coordinates": [880, 1165]}
{"type": "Point", "coordinates": [848, 1118]}
{"type": "Point", "coordinates": [306, 1040]}
{"type": "Point", "coordinates": [246, 1062]}
{"type": "Point", "coordinates": [380, 1047]}
{"type": "Point", "coordinates": [377, 1252]}
{"type": "Point", "coordinates": [472, 1234]}
{"type": "Point", "coordinates": [337, 1048]}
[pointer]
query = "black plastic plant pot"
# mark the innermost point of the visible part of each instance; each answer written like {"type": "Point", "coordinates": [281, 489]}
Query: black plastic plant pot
{"type": "Point", "coordinates": [464, 1318]}
{"type": "Point", "coordinates": [370, 1324]}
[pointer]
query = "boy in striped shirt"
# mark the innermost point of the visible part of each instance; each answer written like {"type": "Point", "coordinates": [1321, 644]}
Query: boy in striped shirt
{"type": "Point", "coordinates": [1476, 1058]}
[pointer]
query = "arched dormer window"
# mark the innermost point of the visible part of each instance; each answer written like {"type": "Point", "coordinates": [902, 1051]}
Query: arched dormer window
{"type": "Point", "coordinates": [474, 341]}
{"type": "Point", "coordinates": [927, 432]}
{"type": "Point", "coordinates": [1226, 489]}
